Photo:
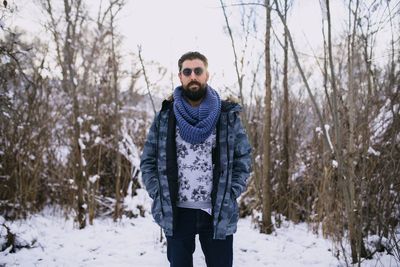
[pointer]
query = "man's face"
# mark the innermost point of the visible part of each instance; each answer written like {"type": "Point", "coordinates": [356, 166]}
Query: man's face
{"type": "Point", "coordinates": [194, 77]}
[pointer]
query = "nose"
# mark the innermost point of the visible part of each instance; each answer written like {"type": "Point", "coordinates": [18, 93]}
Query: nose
{"type": "Point", "coordinates": [193, 75]}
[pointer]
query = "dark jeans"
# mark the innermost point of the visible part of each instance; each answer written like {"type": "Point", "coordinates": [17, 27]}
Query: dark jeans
{"type": "Point", "coordinates": [180, 246]}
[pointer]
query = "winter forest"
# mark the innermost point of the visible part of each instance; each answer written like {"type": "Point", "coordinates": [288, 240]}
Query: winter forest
{"type": "Point", "coordinates": [323, 121]}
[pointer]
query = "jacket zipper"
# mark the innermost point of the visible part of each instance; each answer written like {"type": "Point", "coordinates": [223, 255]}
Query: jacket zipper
{"type": "Point", "coordinates": [226, 182]}
{"type": "Point", "coordinates": [158, 176]}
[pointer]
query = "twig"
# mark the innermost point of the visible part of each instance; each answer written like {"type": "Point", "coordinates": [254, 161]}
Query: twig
{"type": "Point", "coordinates": [146, 79]}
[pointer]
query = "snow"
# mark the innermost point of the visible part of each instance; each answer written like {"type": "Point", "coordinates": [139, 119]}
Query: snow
{"type": "Point", "coordinates": [299, 173]}
{"type": "Point", "coordinates": [81, 144]}
{"type": "Point", "coordinates": [95, 128]}
{"type": "Point", "coordinates": [4, 59]}
{"type": "Point", "coordinates": [6, 114]}
{"type": "Point", "coordinates": [320, 132]}
{"type": "Point", "coordinates": [290, 245]}
{"type": "Point", "coordinates": [141, 199]}
{"type": "Point", "coordinates": [374, 241]}
{"type": "Point", "coordinates": [84, 163]}
{"type": "Point", "coordinates": [97, 140]}
{"type": "Point", "coordinates": [85, 137]}
{"type": "Point", "coordinates": [62, 153]}
{"type": "Point", "coordinates": [384, 119]}
{"type": "Point", "coordinates": [327, 127]}
{"type": "Point", "coordinates": [94, 178]}
{"type": "Point", "coordinates": [373, 152]}
{"type": "Point", "coordinates": [80, 120]}
{"type": "Point", "coordinates": [56, 241]}
{"type": "Point", "coordinates": [335, 164]}
{"type": "Point", "coordinates": [136, 242]}
{"type": "Point", "coordinates": [128, 148]}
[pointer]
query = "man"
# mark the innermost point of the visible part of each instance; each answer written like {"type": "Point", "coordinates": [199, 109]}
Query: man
{"type": "Point", "coordinates": [195, 163]}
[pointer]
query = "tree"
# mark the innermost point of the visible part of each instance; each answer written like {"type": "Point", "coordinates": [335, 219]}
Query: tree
{"type": "Point", "coordinates": [250, 113]}
{"type": "Point", "coordinates": [66, 40]}
{"type": "Point", "coordinates": [26, 123]}
{"type": "Point", "coordinates": [267, 226]}
{"type": "Point", "coordinates": [283, 185]}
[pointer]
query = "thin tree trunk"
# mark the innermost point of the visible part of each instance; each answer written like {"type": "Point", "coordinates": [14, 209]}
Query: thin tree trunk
{"type": "Point", "coordinates": [283, 194]}
{"type": "Point", "coordinates": [117, 134]}
{"type": "Point", "coordinates": [94, 188]}
{"type": "Point", "coordinates": [69, 81]}
{"type": "Point", "coordinates": [346, 183]}
{"type": "Point", "coordinates": [267, 226]}
{"type": "Point", "coordinates": [246, 111]}
{"type": "Point", "coordinates": [351, 110]}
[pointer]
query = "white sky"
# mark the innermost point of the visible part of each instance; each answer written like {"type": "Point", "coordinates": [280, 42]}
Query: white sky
{"type": "Point", "coordinates": [167, 29]}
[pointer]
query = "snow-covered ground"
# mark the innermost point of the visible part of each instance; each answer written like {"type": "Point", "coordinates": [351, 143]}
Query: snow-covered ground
{"type": "Point", "coordinates": [136, 242]}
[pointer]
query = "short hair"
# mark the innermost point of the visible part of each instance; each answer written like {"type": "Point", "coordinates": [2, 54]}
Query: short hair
{"type": "Point", "coordinates": [191, 56]}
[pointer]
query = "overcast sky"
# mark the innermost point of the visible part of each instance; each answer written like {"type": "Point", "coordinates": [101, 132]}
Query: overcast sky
{"type": "Point", "coordinates": [167, 29]}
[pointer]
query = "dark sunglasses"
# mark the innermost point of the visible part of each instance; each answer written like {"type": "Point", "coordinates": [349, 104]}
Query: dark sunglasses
{"type": "Point", "coordinates": [187, 72]}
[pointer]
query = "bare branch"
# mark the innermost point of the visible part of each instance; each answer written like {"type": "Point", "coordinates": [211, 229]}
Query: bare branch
{"type": "Point", "coordinates": [297, 61]}
{"type": "Point", "coordinates": [146, 79]}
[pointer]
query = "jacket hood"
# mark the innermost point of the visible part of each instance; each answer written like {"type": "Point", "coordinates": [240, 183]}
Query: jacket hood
{"type": "Point", "coordinates": [229, 106]}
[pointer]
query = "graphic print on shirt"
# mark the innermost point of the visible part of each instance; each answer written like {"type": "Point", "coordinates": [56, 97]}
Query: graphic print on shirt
{"type": "Point", "coordinates": [195, 169]}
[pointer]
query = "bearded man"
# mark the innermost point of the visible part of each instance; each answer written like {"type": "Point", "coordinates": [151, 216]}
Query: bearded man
{"type": "Point", "coordinates": [195, 163]}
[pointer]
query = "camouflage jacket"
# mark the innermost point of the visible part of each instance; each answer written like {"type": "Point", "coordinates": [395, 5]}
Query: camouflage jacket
{"type": "Point", "coordinates": [231, 160]}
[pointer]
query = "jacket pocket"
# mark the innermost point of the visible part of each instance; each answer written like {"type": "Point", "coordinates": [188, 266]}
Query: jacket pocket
{"type": "Point", "coordinates": [156, 210]}
{"type": "Point", "coordinates": [234, 211]}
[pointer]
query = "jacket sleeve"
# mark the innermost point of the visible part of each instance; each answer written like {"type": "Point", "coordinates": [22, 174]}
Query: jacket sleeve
{"type": "Point", "coordinates": [241, 159]}
{"type": "Point", "coordinates": [148, 161]}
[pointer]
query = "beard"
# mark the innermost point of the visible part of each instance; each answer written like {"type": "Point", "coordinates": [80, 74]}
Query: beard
{"type": "Point", "coordinates": [195, 95]}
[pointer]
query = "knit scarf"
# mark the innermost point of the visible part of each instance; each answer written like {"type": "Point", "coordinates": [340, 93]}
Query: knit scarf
{"type": "Point", "coordinates": [196, 123]}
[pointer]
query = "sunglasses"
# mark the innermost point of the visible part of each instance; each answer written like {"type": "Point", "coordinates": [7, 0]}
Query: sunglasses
{"type": "Point", "coordinates": [187, 72]}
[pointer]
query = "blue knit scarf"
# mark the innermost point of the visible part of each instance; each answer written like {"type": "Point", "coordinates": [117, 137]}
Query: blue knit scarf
{"type": "Point", "coordinates": [196, 123]}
